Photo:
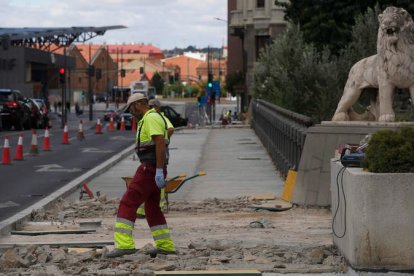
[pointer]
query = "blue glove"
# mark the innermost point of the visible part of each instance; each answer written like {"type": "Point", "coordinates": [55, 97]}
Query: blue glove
{"type": "Point", "coordinates": [159, 178]}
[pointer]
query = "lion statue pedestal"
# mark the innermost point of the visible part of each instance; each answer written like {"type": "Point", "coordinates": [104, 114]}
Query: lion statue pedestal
{"type": "Point", "coordinates": [392, 67]}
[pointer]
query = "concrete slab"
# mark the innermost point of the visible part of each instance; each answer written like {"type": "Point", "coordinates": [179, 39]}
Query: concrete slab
{"type": "Point", "coordinates": [214, 151]}
{"type": "Point", "coordinates": [211, 272]}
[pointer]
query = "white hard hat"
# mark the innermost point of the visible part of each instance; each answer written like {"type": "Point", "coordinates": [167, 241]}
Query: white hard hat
{"type": "Point", "coordinates": [134, 98]}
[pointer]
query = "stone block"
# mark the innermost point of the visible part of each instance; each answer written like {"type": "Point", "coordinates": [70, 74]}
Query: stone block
{"type": "Point", "coordinates": [321, 142]}
{"type": "Point", "coordinates": [377, 222]}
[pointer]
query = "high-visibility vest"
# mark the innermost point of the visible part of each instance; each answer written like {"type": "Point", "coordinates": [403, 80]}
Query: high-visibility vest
{"type": "Point", "coordinates": [152, 123]}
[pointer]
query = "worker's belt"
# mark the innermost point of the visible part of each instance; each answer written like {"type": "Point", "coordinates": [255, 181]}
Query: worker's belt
{"type": "Point", "coordinates": [146, 154]}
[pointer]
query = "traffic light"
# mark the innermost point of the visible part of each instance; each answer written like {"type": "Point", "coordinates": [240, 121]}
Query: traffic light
{"type": "Point", "coordinates": [62, 77]}
{"type": "Point", "coordinates": [122, 73]}
{"type": "Point", "coordinates": [210, 81]}
{"type": "Point", "coordinates": [141, 70]}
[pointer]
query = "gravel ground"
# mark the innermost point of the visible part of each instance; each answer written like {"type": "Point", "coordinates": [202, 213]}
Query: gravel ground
{"type": "Point", "coordinates": [209, 235]}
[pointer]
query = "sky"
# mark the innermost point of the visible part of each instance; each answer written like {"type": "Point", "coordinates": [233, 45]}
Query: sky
{"type": "Point", "coordinates": [163, 23]}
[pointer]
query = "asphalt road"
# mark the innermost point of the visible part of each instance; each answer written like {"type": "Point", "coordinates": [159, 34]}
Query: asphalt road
{"type": "Point", "coordinates": [23, 183]}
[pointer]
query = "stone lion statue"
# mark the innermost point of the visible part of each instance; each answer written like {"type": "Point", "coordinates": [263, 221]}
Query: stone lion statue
{"type": "Point", "coordinates": [392, 67]}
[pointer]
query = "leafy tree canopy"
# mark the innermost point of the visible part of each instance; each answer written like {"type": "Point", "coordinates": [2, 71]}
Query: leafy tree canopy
{"type": "Point", "coordinates": [329, 22]}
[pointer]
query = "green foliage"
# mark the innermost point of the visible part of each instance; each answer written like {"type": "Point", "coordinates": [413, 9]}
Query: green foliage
{"type": "Point", "coordinates": [391, 151]}
{"type": "Point", "coordinates": [328, 23]}
{"type": "Point", "coordinates": [191, 91]}
{"type": "Point", "coordinates": [293, 75]}
{"type": "Point", "coordinates": [176, 88]}
{"type": "Point", "coordinates": [297, 76]}
{"type": "Point", "coordinates": [158, 82]}
{"type": "Point", "coordinates": [233, 79]}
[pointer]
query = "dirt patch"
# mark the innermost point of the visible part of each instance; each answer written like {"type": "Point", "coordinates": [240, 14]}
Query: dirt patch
{"type": "Point", "coordinates": [209, 235]}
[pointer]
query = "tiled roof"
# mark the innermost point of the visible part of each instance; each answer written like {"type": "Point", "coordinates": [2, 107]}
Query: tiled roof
{"type": "Point", "coordinates": [84, 50]}
{"type": "Point", "coordinates": [187, 65]}
{"type": "Point", "coordinates": [134, 48]}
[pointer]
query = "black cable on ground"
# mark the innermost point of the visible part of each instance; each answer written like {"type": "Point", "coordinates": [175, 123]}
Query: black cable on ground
{"type": "Point", "coordinates": [341, 172]}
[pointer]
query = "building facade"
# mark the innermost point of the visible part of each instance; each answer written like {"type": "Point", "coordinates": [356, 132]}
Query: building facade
{"type": "Point", "coordinates": [252, 24]}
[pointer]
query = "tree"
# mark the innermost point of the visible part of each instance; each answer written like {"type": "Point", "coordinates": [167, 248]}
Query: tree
{"type": "Point", "coordinates": [158, 83]}
{"type": "Point", "coordinates": [232, 80]}
{"type": "Point", "coordinates": [297, 76]}
{"type": "Point", "coordinates": [293, 75]}
{"type": "Point", "coordinates": [329, 22]}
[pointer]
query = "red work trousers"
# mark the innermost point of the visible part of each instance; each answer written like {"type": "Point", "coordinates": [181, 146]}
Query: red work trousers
{"type": "Point", "coordinates": [143, 189]}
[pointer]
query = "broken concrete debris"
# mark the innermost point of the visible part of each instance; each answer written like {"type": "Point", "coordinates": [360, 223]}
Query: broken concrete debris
{"type": "Point", "coordinates": [213, 234]}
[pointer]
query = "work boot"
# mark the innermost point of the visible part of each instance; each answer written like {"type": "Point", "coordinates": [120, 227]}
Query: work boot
{"type": "Point", "coordinates": [154, 252]}
{"type": "Point", "coordinates": [120, 252]}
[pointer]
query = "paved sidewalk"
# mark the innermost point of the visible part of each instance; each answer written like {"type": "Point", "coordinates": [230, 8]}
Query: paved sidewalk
{"type": "Point", "coordinates": [234, 159]}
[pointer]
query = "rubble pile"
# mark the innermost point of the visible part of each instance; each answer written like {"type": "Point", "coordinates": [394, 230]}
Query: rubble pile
{"type": "Point", "coordinates": [209, 235]}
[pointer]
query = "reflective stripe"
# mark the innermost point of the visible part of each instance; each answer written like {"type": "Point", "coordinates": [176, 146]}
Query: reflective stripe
{"type": "Point", "coordinates": [124, 241]}
{"type": "Point", "coordinates": [141, 210]}
{"type": "Point", "coordinates": [123, 234]}
{"type": "Point", "coordinates": [162, 236]}
{"type": "Point", "coordinates": [159, 227]}
{"type": "Point", "coordinates": [123, 230]}
{"type": "Point", "coordinates": [125, 221]}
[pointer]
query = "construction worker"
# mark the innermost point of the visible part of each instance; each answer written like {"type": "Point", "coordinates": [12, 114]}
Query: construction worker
{"type": "Point", "coordinates": [156, 105]}
{"type": "Point", "coordinates": [151, 144]}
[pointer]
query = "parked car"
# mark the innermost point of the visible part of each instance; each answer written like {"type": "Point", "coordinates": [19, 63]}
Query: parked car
{"type": "Point", "coordinates": [44, 112]}
{"type": "Point", "coordinates": [174, 117]}
{"type": "Point", "coordinates": [35, 113]}
{"type": "Point", "coordinates": [13, 110]}
{"type": "Point", "coordinates": [127, 118]}
{"type": "Point", "coordinates": [109, 112]}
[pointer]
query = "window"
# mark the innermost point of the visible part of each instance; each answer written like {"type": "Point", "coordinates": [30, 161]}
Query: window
{"type": "Point", "coordinates": [260, 3]}
{"type": "Point", "coordinates": [261, 42]}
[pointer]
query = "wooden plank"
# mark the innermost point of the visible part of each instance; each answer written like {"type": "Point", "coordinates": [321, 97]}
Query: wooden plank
{"type": "Point", "coordinates": [210, 272]}
{"type": "Point", "coordinates": [96, 244]}
{"type": "Point", "coordinates": [52, 232]}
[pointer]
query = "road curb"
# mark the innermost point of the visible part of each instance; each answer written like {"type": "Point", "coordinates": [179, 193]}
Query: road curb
{"type": "Point", "coordinates": [15, 222]}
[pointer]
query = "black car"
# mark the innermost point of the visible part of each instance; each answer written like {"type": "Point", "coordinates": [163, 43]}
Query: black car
{"type": "Point", "coordinates": [174, 117]}
{"type": "Point", "coordinates": [44, 112]}
{"type": "Point", "coordinates": [13, 110]}
{"type": "Point", "coordinates": [38, 113]}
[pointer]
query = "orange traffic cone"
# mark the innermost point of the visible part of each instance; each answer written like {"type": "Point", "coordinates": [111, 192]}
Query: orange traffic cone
{"type": "Point", "coordinates": [6, 152]}
{"type": "Point", "coordinates": [81, 135]}
{"type": "Point", "coordinates": [46, 140]}
{"type": "Point", "coordinates": [65, 140]}
{"type": "Point", "coordinates": [98, 128]}
{"type": "Point", "coordinates": [134, 124]}
{"type": "Point", "coordinates": [33, 148]}
{"type": "Point", "coordinates": [122, 127]}
{"type": "Point", "coordinates": [19, 149]}
{"type": "Point", "coordinates": [111, 124]}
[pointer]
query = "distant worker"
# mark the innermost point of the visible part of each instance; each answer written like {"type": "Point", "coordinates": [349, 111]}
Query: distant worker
{"type": "Point", "coordinates": [156, 105]}
{"type": "Point", "coordinates": [78, 110]}
{"type": "Point", "coordinates": [151, 144]}
{"type": "Point", "coordinates": [228, 115]}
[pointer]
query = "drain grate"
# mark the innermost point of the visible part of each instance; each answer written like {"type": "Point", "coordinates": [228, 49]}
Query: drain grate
{"type": "Point", "coordinates": [248, 158]}
{"type": "Point", "coordinates": [247, 143]}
